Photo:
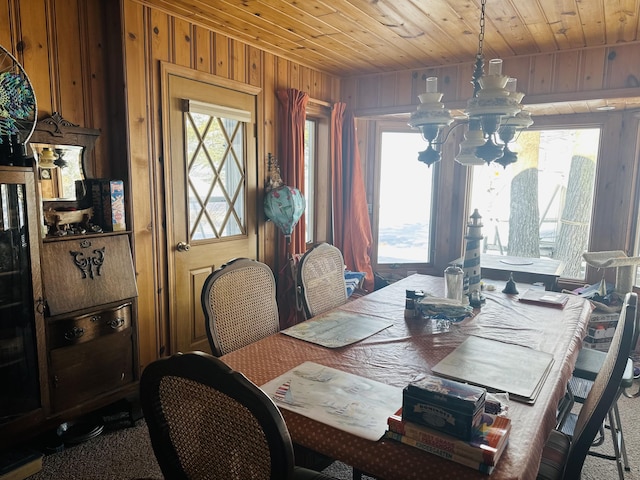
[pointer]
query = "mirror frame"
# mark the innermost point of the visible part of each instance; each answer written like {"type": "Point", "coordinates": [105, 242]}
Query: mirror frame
{"type": "Point", "coordinates": [57, 130]}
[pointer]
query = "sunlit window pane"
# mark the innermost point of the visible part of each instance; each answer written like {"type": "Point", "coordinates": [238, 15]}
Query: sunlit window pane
{"type": "Point", "coordinates": [541, 206]}
{"type": "Point", "coordinates": [406, 187]}
{"type": "Point", "coordinates": [310, 150]}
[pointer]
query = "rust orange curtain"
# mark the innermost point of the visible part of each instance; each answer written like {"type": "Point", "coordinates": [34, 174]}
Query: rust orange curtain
{"type": "Point", "coordinates": [351, 225]}
{"type": "Point", "coordinates": [292, 116]}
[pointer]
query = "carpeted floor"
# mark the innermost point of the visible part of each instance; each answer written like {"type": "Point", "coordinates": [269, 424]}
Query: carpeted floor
{"type": "Point", "coordinates": [126, 453]}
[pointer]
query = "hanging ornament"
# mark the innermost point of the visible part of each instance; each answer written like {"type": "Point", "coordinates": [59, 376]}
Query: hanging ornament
{"type": "Point", "coordinates": [18, 109]}
{"type": "Point", "coordinates": [283, 205]}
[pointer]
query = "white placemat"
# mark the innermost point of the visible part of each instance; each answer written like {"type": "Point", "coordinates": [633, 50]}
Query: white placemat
{"type": "Point", "coordinates": [337, 329]}
{"type": "Point", "coordinates": [345, 401]}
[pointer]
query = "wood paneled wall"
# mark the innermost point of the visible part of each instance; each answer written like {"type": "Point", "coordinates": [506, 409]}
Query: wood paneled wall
{"type": "Point", "coordinates": [96, 62]}
{"type": "Point", "coordinates": [574, 75]}
{"type": "Point", "coordinates": [62, 46]}
{"type": "Point", "coordinates": [149, 37]}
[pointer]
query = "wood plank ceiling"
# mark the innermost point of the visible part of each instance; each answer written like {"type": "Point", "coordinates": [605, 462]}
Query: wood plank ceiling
{"type": "Point", "coordinates": [356, 37]}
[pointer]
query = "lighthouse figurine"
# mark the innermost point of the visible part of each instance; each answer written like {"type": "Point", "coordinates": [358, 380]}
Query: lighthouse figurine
{"type": "Point", "coordinates": [471, 265]}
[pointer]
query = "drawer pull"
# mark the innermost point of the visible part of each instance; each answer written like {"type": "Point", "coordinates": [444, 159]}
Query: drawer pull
{"type": "Point", "coordinates": [74, 333]}
{"type": "Point", "coordinates": [116, 322]}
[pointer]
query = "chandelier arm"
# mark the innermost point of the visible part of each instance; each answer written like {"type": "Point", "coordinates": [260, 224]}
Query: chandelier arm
{"type": "Point", "coordinates": [448, 132]}
{"type": "Point", "coordinates": [494, 114]}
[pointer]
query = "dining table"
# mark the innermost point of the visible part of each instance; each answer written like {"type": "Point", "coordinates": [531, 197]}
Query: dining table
{"type": "Point", "coordinates": [406, 352]}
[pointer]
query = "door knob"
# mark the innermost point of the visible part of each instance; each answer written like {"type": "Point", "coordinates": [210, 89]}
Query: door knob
{"type": "Point", "coordinates": [183, 247]}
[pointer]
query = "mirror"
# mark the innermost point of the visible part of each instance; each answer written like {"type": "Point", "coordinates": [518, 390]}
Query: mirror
{"type": "Point", "coordinates": [61, 150]}
{"type": "Point", "coordinates": [60, 167]}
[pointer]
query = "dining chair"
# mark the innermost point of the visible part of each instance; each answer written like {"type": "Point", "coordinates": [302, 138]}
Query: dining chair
{"type": "Point", "coordinates": [239, 303]}
{"type": "Point", "coordinates": [209, 422]}
{"type": "Point", "coordinates": [588, 364]}
{"type": "Point", "coordinates": [320, 279]}
{"type": "Point", "coordinates": [564, 453]}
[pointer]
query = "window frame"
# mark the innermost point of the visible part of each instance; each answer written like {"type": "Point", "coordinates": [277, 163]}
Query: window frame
{"type": "Point", "coordinates": [567, 126]}
{"type": "Point", "coordinates": [442, 209]}
{"type": "Point", "coordinates": [320, 113]}
{"type": "Point", "coordinates": [617, 189]}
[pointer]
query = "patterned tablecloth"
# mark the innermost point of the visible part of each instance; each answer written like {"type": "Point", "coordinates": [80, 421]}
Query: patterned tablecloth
{"type": "Point", "coordinates": [406, 352]}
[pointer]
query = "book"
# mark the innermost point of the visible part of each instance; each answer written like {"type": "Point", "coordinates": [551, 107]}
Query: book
{"type": "Point", "coordinates": [538, 296]}
{"type": "Point", "coordinates": [18, 464]}
{"type": "Point", "coordinates": [479, 466]}
{"type": "Point", "coordinates": [107, 198]}
{"type": "Point", "coordinates": [486, 445]}
{"type": "Point", "coordinates": [498, 366]}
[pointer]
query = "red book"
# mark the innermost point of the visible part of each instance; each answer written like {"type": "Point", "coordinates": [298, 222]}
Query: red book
{"type": "Point", "coordinates": [488, 440]}
{"type": "Point", "coordinates": [475, 464]}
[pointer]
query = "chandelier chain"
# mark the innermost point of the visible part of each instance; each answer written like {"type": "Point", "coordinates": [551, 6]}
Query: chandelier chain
{"type": "Point", "coordinates": [481, 34]}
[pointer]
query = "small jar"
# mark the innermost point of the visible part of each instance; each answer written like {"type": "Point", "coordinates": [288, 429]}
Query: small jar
{"type": "Point", "coordinates": [454, 282]}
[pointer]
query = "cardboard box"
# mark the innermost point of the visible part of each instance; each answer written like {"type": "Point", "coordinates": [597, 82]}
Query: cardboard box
{"type": "Point", "coordinates": [446, 405]}
{"type": "Point", "coordinates": [592, 340]}
{"type": "Point", "coordinates": [601, 331]}
{"type": "Point", "coordinates": [604, 319]}
{"type": "Point", "coordinates": [603, 347]}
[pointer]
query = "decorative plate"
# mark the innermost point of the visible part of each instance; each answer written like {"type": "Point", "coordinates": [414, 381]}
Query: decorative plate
{"type": "Point", "coordinates": [18, 107]}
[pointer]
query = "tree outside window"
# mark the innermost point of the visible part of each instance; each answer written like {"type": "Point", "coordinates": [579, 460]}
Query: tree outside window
{"type": "Point", "coordinates": [541, 206]}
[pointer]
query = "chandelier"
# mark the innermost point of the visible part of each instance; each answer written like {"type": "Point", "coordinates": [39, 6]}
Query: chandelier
{"type": "Point", "coordinates": [493, 115]}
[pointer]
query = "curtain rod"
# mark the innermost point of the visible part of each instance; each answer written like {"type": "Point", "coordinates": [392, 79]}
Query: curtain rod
{"type": "Point", "coordinates": [319, 102]}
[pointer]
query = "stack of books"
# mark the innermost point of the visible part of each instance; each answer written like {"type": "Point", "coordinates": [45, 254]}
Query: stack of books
{"type": "Point", "coordinates": [481, 452]}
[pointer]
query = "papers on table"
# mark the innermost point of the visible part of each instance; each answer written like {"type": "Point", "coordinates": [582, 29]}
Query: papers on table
{"type": "Point", "coordinates": [498, 366]}
{"type": "Point", "coordinates": [337, 329]}
{"type": "Point", "coordinates": [342, 400]}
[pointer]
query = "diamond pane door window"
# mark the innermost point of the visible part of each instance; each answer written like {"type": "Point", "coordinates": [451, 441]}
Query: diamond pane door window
{"type": "Point", "coordinates": [215, 174]}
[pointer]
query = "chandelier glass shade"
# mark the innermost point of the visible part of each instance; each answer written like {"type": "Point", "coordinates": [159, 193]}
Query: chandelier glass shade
{"type": "Point", "coordinates": [494, 115]}
{"type": "Point", "coordinates": [47, 158]}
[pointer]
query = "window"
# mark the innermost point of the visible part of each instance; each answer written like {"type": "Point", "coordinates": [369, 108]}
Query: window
{"type": "Point", "coordinates": [317, 173]}
{"type": "Point", "coordinates": [215, 144]}
{"type": "Point", "coordinates": [310, 161]}
{"type": "Point", "coordinates": [404, 200]}
{"type": "Point", "coordinates": [541, 206]}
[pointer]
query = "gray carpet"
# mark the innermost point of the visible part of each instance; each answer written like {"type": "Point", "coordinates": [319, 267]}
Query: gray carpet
{"type": "Point", "coordinates": [127, 454]}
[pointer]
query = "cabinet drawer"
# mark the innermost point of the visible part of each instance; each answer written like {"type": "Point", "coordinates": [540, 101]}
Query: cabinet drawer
{"type": "Point", "coordinates": [81, 372]}
{"type": "Point", "coordinates": [84, 328]}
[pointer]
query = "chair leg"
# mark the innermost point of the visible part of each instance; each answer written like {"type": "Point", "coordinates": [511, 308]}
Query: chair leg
{"type": "Point", "coordinates": [620, 436]}
{"type": "Point", "coordinates": [599, 440]}
{"type": "Point", "coordinates": [616, 443]}
{"type": "Point", "coordinates": [620, 455]}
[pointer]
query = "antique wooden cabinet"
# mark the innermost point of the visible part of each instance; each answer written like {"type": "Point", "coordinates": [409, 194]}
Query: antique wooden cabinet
{"type": "Point", "coordinates": [68, 303]}
{"type": "Point", "coordinates": [24, 396]}
{"type": "Point", "coordinates": [90, 292]}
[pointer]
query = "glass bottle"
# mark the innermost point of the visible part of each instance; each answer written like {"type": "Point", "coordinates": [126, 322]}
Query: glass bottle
{"type": "Point", "coordinates": [454, 282]}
